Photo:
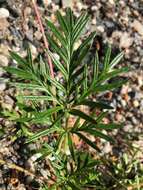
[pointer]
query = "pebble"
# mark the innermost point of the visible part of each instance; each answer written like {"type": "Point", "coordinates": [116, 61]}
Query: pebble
{"type": "Point", "coordinates": [2, 86]}
{"type": "Point", "coordinates": [138, 27]}
{"type": "Point", "coordinates": [38, 35]}
{"type": "Point", "coordinates": [100, 28]}
{"type": "Point", "coordinates": [136, 103]}
{"type": "Point", "coordinates": [3, 61]}
{"type": "Point", "coordinates": [125, 40]}
{"type": "Point", "coordinates": [107, 148]}
{"type": "Point", "coordinates": [3, 24]}
{"type": "Point", "coordinates": [68, 3]}
{"type": "Point", "coordinates": [128, 128]}
{"type": "Point", "coordinates": [47, 2]}
{"type": "Point", "coordinates": [33, 51]}
{"type": "Point", "coordinates": [4, 13]}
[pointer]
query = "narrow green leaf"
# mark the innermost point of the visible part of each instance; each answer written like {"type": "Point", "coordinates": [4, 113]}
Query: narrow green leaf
{"type": "Point", "coordinates": [58, 65]}
{"type": "Point", "coordinates": [101, 116]}
{"type": "Point", "coordinates": [63, 23]}
{"type": "Point", "coordinates": [82, 115]}
{"type": "Point", "coordinates": [90, 143]}
{"type": "Point", "coordinates": [71, 147]}
{"type": "Point", "coordinates": [96, 67]}
{"type": "Point", "coordinates": [18, 58]}
{"type": "Point", "coordinates": [110, 86]}
{"type": "Point", "coordinates": [70, 19]}
{"type": "Point", "coordinates": [94, 104]}
{"type": "Point", "coordinates": [29, 55]}
{"type": "Point", "coordinates": [87, 41]}
{"type": "Point", "coordinates": [85, 76]}
{"type": "Point", "coordinates": [41, 134]}
{"type": "Point", "coordinates": [112, 74]}
{"type": "Point", "coordinates": [19, 73]}
{"type": "Point", "coordinates": [57, 84]}
{"type": "Point", "coordinates": [82, 51]}
{"type": "Point", "coordinates": [106, 126]}
{"type": "Point", "coordinates": [56, 32]}
{"type": "Point", "coordinates": [116, 60]}
{"type": "Point", "coordinates": [37, 98]}
{"type": "Point", "coordinates": [99, 134]}
{"type": "Point", "coordinates": [107, 59]}
{"type": "Point", "coordinates": [79, 26]}
{"type": "Point", "coordinates": [47, 113]}
{"type": "Point", "coordinates": [59, 50]}
{"type": "Point", "coordinates": [27, 86]}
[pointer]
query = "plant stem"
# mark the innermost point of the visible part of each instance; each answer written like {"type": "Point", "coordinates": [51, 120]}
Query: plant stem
{"type": "Point", "coordinates": [44, 36]}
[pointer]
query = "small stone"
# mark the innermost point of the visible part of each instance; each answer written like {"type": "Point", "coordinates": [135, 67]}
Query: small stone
{"type": "Point", "coordinates": [112, 2]}
{"type": "Point", "coordinates": [124, 89]}
{"type": "Point", "coordinates": [107, 148]}
{"type": "Point", "coordinates": [4, 13]}
{"type": "Point", "coordinates": [123, 103]}
{"type": "Point", "coordinates": [3, 61]}
{"type": "Point", "coordinates": [94, 21]}
{"type": "Point", "coordinates": [38, 35]}
{"type": "Point", "coordinates": [128, 128]}
{"type": "Point", "coordinates": [47, 2]}
{"type": "Point", "coordinates": [100, 28]}
{"type": "Point", "coordinates": [2, 86]}
{"type": "Point", "coordinates": [33, 51]}
{"type": "Point", "coordinates": [27, 11]}
{"type": "Point", "coordinates": [3, 24]}
{"type": "Point", "coordinates": [136, 103]}
{"type": "Point", "coordinates": [68, 3]}
{"type": "Point", "coordinates": [138, 27]}
{"type": "Point", "coordinates": [125, 40]}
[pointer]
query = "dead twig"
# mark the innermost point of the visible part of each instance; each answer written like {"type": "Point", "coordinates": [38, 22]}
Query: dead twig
{"type": "Point", "coordinates": [44, 36]}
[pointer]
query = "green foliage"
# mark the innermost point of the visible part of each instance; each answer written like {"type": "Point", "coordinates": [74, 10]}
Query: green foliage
{"type": "Point", "coordinates": [53, 101]}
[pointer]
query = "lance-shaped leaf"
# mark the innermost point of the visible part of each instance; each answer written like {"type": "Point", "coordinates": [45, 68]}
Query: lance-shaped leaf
{"type": "Point", "coordinates": [101, 116]}
{"type": "Point", "coordinates": [21, 61]}
{"type": "Point", "coordinates": [37, 98]}
{"type": "Point", "coordinates": [97, 133]}
{"type": "Point", "coordinates": [116, 60]}
{"type": "Point", "coordinates": [94, 104]}
{"type": "Point", "coordinates": [59, 50]}
{"type": "Point", "coordinates": [58, 64]}
{"type": "Point", "coordinates": [82, 115]}
{"type": "Point", "coordinates": [95, 68]}
{"type": "Point", "coordinates": [105, 126]}
{"type": "Point", "coordinates": [27, 86]}
{"type": "Point", "coordinates": [63, 23]}
{"type": "Point", "coordinates": [112, 74]}
{"type": "Point", "coordinates": [90, 143]}
{"type": "Point", "coordinates": [42, 133]}
{"type": "Point", "coordinates": [82, 51]}
{"type": "Point", "coordinates": [47, 113]}
{"type": "Point", "coordinates": [57, 84]}
{"type": "Point", "coordinates": [56, 32]}
{"type": "Point", "coordinates": [71, 146]}
{"type": "Point", "coordinates": [102, 88]}
{"type": "Point", "coordinates": [79, 26]}
{"type": "Point", "coordinates": [19, 73]}
{"type": "Point", "coordinates": [107, 59]}
{"type": "Point", "coordinates": [110, 86]}
{"type": "Point", "coordinates": [69, 19]}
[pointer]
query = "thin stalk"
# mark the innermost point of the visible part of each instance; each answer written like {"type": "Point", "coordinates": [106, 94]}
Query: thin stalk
{"type": "Point", "coordinates": [44, 37]}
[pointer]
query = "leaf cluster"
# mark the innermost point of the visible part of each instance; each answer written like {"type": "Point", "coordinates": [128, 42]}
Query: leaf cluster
{"type": "Point", "coordinates": [54, 101]}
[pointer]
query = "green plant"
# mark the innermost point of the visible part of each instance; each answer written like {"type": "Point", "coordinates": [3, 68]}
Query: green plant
{"type": "Point", "coordinates": [53, 103]}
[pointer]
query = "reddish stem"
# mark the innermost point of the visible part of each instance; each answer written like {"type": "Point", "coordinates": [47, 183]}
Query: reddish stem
{"type": "Point", "coordinates": [44, 36]}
